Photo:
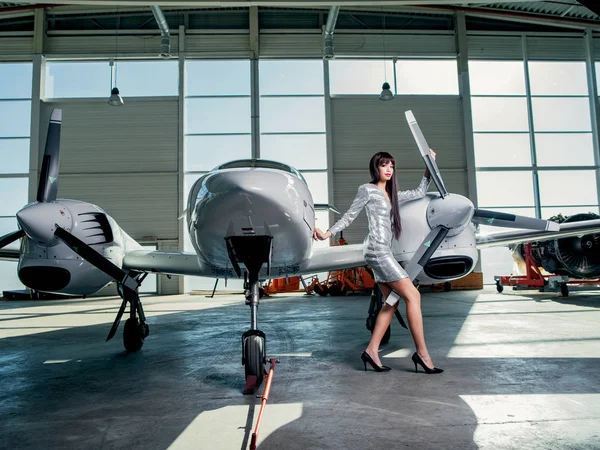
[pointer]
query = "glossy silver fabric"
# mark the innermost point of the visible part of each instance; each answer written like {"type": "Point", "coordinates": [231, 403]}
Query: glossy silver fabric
{"type": "Point", "coordinates": [378, 243]}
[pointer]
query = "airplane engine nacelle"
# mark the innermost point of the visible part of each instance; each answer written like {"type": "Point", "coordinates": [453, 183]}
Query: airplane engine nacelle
{"type": "Point", "coordinates": [457, 254]}
{"type": "Point", "coordinates": [57, 268]}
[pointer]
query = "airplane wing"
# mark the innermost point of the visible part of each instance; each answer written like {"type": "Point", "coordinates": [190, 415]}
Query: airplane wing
{"type": "Point", "coordinates": [173, 262]}
{"type": "Point", "coordinates": [7, 254]}
{"type": "Point", "coordinates": [334, 258]}
{"type": "Point", "coordinates": [519, 237]}
{"type": "Point", "coordinates": [186, 263]}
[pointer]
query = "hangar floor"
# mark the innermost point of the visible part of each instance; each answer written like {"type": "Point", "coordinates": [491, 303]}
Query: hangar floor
{"type": "Point", "coordinates": [521, 371]}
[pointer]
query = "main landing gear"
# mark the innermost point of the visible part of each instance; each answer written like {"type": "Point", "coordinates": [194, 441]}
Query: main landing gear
{"type": "Point", "coordinates": [374, 308]}
{"type": "Point", "coordinates": [253, 252]}
{"type": "Point", "coordinates": [136, 329]}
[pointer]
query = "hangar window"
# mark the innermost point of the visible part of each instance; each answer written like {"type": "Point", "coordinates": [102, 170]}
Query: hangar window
{"type": "Point", "coordinates": [499, 114]}
{"type": "Point", "coordinates": [564, 149]}
{"type": "Point", "coordinates": [568, 188]}
{"type": "Point", "coordinates": [359, 76]}
{"type": "Point", "coordinates": [15, 80]}
{"type": "Point", "coordinates": [497, 78]}
{"type": "Point", "coordinates": [558, 78]}
{"type": "Point", "coordinates": [552, 126]}
{"type": "Point", "coordinates": [561, 114]}
{"type": "Point", "coordinates": [91, 79]}
{"type": "Point", "coordinates": [516, 189]}
{"type": "Point", "coordinates": [15, 118]}
{"type": "Point", "coordinates": [15, 124]}
{"type": "Point", "coordinates": [292, 119]}
{"type": "Point", "coordinates": [438, 77]}
{"type": "Point", "coordinates": [217, 114]}
{"type": "Point", "coordinates": [405, 76]}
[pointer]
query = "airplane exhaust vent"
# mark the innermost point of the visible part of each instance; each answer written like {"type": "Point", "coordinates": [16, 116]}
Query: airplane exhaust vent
{"type": "Point", "coordinates": [95, 228]}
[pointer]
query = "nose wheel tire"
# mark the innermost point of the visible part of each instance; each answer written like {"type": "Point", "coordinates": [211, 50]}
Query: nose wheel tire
{"type": "Point", "coordinates": [254, 363]}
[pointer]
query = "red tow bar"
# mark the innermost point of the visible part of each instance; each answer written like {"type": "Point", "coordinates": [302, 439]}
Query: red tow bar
{"type": "Point", "coordinates": [265, 398]}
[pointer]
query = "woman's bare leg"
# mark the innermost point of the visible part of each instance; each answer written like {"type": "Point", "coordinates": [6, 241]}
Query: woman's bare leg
{"type": "Point", "coordinates": [412, 297]}
{"type": "Point", "coordinates": [384, 319]}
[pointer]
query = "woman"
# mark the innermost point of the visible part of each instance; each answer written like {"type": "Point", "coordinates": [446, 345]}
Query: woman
{"type": "Point", "coordinates": [381, 197]}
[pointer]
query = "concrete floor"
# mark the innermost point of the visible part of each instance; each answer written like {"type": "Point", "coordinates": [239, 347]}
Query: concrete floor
{"type": "Point", "coordinates": [522, 371]}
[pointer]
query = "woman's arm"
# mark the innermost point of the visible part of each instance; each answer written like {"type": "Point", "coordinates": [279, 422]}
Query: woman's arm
{"type": "Point", "coordinates": [361, 199]}
{"type": "Point", "coordinates": [419, 192]}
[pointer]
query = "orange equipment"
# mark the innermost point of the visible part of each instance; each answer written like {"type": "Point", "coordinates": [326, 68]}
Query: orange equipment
{"type": "Point", "coordinates": [290, 284]}
{"type": "Point", "coordinates": [341, 281]}
{"type": "Point", "coordinates": [265, 398]}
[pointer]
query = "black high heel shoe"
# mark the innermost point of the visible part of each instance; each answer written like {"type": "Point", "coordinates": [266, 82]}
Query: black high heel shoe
{"type": "Point", "coordinates": [417, 360]}
{"type": "Point", "coordinates": [366, 358]}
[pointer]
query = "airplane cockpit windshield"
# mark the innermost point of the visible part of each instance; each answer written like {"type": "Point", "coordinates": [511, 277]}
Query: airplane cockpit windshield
{"type": "Point", "coordinates": [260, 163]}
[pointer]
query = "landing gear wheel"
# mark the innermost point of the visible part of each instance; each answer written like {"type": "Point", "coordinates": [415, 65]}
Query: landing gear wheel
{"type": "Point", "coordinates": [564, 290]}
{"type": "Point", "coordinates": [335, 290]}
{"type": "Point", "coordinates": [321, 289]}
{"type": "Point", "coordinates": [386, 336]}
{"type": "Point", "coordinates": [134, 334]}
{"type": "Point", "coordinates": [447, 286]}
{"type": "Point", "coordinates": [499, 287]}
{"type": "Point", "coordinates": [371, 322]}
{"type": "Point", "coordinates": [254, 363]}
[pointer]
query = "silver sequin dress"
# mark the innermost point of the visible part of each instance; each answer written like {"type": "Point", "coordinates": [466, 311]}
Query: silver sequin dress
{"type": "Point", "coordinates": [378, 243]}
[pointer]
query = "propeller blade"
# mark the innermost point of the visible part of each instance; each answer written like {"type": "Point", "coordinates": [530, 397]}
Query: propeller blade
{"type": "Point", "coordinates": [498, 219]}
{"type": "Point", "coordinates": [424, 149]}
{"type": "Point", "coordinates": [11, 237]}
{"type": "Point", "coordinates": [95, 258]}
{"type": "Point", "coordinates": [48, 183]}
{"type": "Point", "coordinates": [425, 250]}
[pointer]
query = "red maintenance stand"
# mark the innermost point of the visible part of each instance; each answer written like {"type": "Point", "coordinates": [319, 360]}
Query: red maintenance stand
{"type": "Point", "coordinates": [534, 278]}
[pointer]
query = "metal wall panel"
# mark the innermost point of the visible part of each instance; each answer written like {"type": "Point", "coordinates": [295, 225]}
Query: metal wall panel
{"type": "Point", "coordinates": [143, 45]}
{"type": "Point", "coordinates": [291, 45]}
{"type": "Point", "coordinates": [396, 45]}
{"type": "Point", "coordinates": [11, 47]}
{"type": "Point", "coordinates": [122, 159]}
{"type": "Point", "coordinates": [555, 48]}
{"type": "Point", "coordinates": [217, 46]}
{"type": "Point", "coordinates": [494, 47]}
{"type": "Point", "coordinates": [144, 205]}
{"type": "Point", "coordinates": [596, 42]}
{"type": "Point", "coordinates": [140, 136]}
{"type": "Point", "coordinates": [362, 126]}
{"type": "Point", "coordinates": [368, 45]}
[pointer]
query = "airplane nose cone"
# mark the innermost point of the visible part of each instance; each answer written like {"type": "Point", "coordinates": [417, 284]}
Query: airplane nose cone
{"type": "Point", "coordinates": [453, 212]}
{"type": "Point", "coordinates": [39, 220]}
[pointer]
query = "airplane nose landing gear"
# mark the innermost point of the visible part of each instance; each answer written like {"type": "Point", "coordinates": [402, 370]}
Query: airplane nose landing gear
{"type": "Point", "coordinates": [253, 252]}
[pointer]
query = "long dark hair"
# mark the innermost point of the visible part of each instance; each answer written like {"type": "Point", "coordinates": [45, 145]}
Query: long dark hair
{"type": "Point", "coordinates": [379, 159]}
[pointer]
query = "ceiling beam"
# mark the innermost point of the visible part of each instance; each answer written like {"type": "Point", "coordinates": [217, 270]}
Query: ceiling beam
{"type": "Point", "coordinates": [247, 3]}
{"type": "Point", "coordinates": [592, 5]}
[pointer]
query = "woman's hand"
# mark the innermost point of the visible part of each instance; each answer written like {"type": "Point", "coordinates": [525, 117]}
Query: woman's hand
{"type": "Point", "coordinates": [318, 235]}
{"type": "Point", "coordinates": [432, 154]}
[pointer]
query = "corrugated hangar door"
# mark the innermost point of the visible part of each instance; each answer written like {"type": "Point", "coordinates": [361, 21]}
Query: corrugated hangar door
{"type": "Point", "coordinates": [123, 159]}
{"type": "Point", "coordinates": [363, 126]}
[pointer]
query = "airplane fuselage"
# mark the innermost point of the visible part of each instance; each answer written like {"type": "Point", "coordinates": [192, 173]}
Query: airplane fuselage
{"type": "Point", "coordinates": [250, 202]}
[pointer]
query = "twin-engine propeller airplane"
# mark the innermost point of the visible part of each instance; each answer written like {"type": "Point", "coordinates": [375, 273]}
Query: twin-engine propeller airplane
{"type": "Point", "coordinates": [251, 218]}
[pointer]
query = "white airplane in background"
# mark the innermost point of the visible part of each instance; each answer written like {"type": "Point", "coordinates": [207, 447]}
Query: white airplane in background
{"type": "Point", "coordinates": [250, 217]}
